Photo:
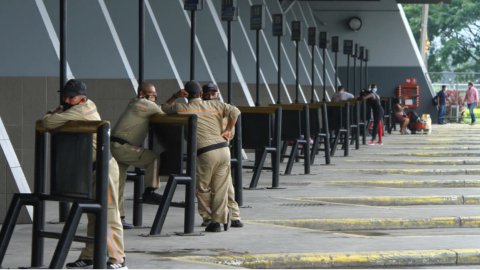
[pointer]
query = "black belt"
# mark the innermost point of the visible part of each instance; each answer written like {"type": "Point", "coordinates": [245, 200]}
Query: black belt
{"type": "Point", "coordinates": [118, 140]}
{"type": "Point", "coordinates": [211, 147]}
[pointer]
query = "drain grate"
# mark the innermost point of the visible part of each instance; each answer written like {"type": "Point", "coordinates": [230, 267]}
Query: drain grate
{"type": "Point", "coordinates": [302, 204]}
{"type": "Point", "coordinates": [293, 184]}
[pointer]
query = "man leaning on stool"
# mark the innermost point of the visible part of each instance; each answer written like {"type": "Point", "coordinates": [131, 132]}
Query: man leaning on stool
{"type": "Point", "coordinates": [78, 107]}
{"type": "Point", "coordinates": [213, 155]}
{"type": "Point", "coordinates": [127, 137]}
{"type": "Point", "coordinates": [210, 92]}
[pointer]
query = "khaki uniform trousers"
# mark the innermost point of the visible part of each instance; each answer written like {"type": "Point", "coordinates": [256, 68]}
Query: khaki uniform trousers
{"type": "Point", "coordinates": [232, 204]}
{"type": "Point", "coordinates": [115, 247]}
{"type": "Point", "coordinates": [138, 157]}
{"type": "Point", "coordinates": [213, 180]}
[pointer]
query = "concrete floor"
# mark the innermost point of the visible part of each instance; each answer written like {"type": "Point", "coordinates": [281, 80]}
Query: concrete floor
{"type": "Point", "coordinates": [287, 204]}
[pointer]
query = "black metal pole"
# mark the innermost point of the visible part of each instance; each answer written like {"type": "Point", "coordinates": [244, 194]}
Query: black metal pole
{"type": "Point", "coordinates": [312, 100]}
{"type": "Point", "coordinates": [361, 76]}
{"type": "Point", "coordinates": [258, 103]}
{"type": "Point", "coordinates": [279, 79]}
{"type": "Point", "coordinates": [191, 165]}
{"type": "Point", "coordinates": [297, 81]}
{"type": "Point", "coordinates": [40, 175]}
{"type": "Point", "coordinates": [354, 74]}
{"type": "Point", "coordinates": [63, 207]}
{"type": "Point", "coordinates": [366, 74]}
{"type": "Point", "coordinates": [63, 45]}
{"type": "Point", "coordinates": [336, 73]}
{"type": "Point", "coordinates": [138, 185]}
{"type": "Point", "coordinates": [229, 59]}
{"type": "Point", "coordinates": [101, 196]}
{"type": "Point", "coordinates": [192, 45]}
{"type": "Point", "coordinates": [141, 41]}
{"type": "Point", "coordinates": [324, 79]}
{"type": "Point", "coordinates": [306, 131]}
{"type": "Point", "coordinates": [348, 74]}
{"type": "Point", "coordinates": [238, 154]}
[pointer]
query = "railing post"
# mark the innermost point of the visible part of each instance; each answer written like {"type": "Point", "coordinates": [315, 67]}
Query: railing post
{"type": "Point", "coordinates": [100, 239]}
{"type": "Point", "coordinates": [40, 175]}
{"type": "Point", "coordinates": [191, 171]}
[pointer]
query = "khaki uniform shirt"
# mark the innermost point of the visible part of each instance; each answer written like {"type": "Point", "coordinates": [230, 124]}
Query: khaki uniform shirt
{"type": "Point", "coordinates": [87, 112]}
{"type": "Point", "coordinates": [133, 123]}
{"type": "Point", "coordinates": [210, 118]}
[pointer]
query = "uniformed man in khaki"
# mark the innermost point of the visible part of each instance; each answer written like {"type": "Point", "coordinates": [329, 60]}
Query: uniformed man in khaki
{"type": "Point", "coordinates": [126, 139]}
{"type": "Point", "coordinates": [78, 107]}
{"type": "Point", "coordinates": [210, 92]}
{"type": "Point", "coordinates": [213, 155]}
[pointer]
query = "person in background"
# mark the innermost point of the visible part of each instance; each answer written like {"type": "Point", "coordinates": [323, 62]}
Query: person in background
{"type": "Point", "coordinates": [401, 116]}
{"type": "Point", "coordinates": [441, 105]}
{"type": "Point", "coordinates": [342, 95]}
{"type": "Point", "coordinates": [471, 97]}
{"type": "Point", "coordinates": [373, 100]}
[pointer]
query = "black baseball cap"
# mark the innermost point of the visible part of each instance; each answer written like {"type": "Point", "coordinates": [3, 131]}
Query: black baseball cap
{"type": "Point", "coordinates": [74, 88]}
{"type": "Point", "coordinates": [193, 88]}
{"type": "Point", "coordinates": [210, 86]}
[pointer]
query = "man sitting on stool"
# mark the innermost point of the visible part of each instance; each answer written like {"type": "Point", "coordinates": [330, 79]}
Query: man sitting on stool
{"type": "Point", "coordinates": [210, 92]}
{"type": "Point", "coordinates": [126, 139]}
{"type": "Point", "coordinates": [213, 156]}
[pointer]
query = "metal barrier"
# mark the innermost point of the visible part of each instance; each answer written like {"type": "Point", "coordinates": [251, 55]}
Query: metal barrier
{"type": "Point", "coordinates": [356, 127]}
{"type": "Point", "coordinates": [237, 163]}
{"type": "Point", "coordinates": [386, 103]}
{"type": "Point", "coordinates": [319, 128]}
{"type": "Point", "coordinates": [261, 131]}
{"type": "Point", "coordinates": [339, 123]}
{"type": "Point", "coordinates": [137, 177]}
{"type": "Point", "coordinates": [295, 123]}
{"type": "Point", "coordinates": [168, 135]}
{"type": "Point", "coordinates": [72, 169]}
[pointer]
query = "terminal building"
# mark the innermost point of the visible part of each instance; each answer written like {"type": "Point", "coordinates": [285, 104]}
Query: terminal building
{"type": "Point", "coordinates": [102, 49]}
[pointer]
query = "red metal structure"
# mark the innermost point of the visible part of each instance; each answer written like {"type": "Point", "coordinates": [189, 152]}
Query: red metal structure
{"type": "Point", "coordinates": [409, 95]}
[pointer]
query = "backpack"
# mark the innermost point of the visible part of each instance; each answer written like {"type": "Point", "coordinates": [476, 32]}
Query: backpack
{"type": "Point", "coordinates": [435, 101]}
{"type": "Point", "coordinates": [413, 117]}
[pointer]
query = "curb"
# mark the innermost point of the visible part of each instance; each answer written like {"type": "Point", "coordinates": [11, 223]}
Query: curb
{"type": "Point", "coordinates": [408, 183]}
{"type": "Point", "coordinates": [416, 171]}
{"type": "Point", "coordinates": [349, 224]}
{"type": "Point", "coordinates": [345, 259]}
{"type": "Point", "coordinates": [399, 200]}
{"type": "Point", "coordinates": [431, 143]}
{"type": "Point", "coordinates": [432, 154]}
{"type": "Point", "coordinates": [421, 162]}
{"type": "Point", "coordinates": [433, 148]}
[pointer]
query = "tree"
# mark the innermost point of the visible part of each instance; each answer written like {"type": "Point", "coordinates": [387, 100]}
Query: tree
{"type": "Point", "coordinates": [456, 27]}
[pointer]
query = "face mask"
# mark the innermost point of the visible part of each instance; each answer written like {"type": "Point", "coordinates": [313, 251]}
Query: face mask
{"type": "Point", "coordinates": [151, 98]}
{"type": "Point", "coordinates": [374, 90]}
{"type": "Point", "coordinates": [67, 106]}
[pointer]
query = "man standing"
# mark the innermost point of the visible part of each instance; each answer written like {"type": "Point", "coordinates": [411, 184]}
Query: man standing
{"type": "Point", "coordinates": [210, 92]}
{"type": "Point", "coordinates": [127, 137]}
{"type": "Point", "coordinates": [213, 156]}
{"type": "Point", "coordinates": [342, 95]}
{"type": "Point", "coordinates": [78, 107]}
{"type": "Point", "coordinates": [471, 97]}
{"type": "Point", "coordinates": [441, 105]}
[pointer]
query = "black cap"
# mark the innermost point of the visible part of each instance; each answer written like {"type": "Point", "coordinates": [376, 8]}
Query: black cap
{"type": "Point", "coordinates": [74, 88]}
{"type": "Point", "coordinates": [210, 86]}
{"type": "Point", "coordinates": [193, 88]}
